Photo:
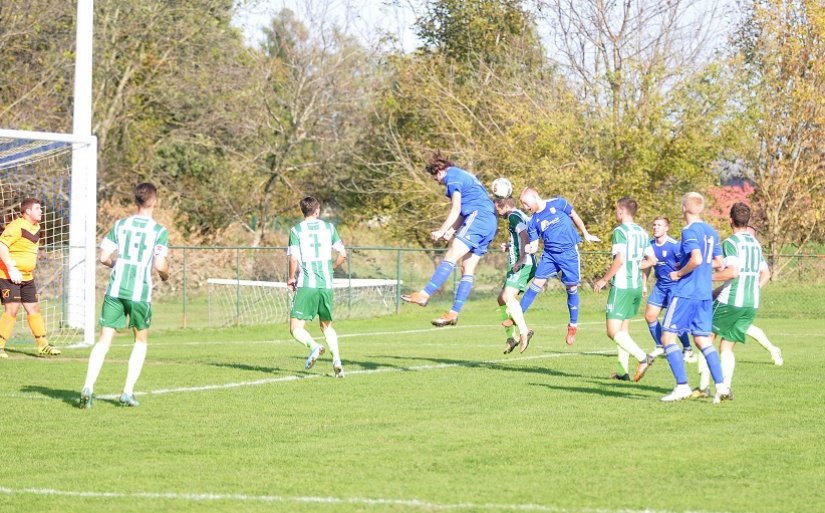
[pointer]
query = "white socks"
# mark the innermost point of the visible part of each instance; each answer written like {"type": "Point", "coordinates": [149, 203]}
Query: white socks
{"type": "Point", "coordinates": [136, 360]}
{"type": "Point", "coordinates": [303, 336]}
{"type": "Point", "coordinates": [96, 358]}
{"type": "Point", "coordinates": [728, 362]}
{"type": "Point", "coordinates": [515, 311]}
{"type": "Point", "coordinates": [760, 337]}
{"type": "Point", "coordinates": [625, 341]}
{"type": "Point", "coordinates": [332, 342]}
{"type": "Point", "coordinates": [624, 360]}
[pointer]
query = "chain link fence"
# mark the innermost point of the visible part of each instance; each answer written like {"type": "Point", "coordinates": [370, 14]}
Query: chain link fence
{"type": "Point", "coordinates": [228, 286]}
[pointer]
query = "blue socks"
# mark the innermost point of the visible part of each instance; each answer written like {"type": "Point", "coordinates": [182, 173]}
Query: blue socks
{"type": "Point", "coordinates": [655, 328]}
{"type": "Point", "coordinates": [685, 338]}
{"type": "Point", "coordinates": [677, 363]}
{"type": "Point", "coordinates": [442, 272]}
{"type": "Point", "coordinates": [712, 357]}
{"type": "Point", "coordinates": [463, 292]}
{"type": "Point", "coordinates": [573, 304]}
{"type": "Point", "coordinates": [529, 296]}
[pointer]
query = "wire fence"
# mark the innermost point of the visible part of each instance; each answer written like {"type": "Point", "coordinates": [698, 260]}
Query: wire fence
{"type": "Point", "coordinates": [226, 286]}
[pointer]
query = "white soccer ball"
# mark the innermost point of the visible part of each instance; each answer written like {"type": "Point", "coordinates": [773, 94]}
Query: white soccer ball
{"type": "Point", "coordinates": [501, 187]}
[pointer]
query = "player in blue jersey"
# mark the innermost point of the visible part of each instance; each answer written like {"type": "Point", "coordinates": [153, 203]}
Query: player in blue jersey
{"type": "Point", "coordinates": [691, 304]}
{"type": "Point", "coordinates": [470, 225]}
{"type": "Point", "coordinates": [668, 255]}
{"type": "Point", "coordinates": [554, 222]}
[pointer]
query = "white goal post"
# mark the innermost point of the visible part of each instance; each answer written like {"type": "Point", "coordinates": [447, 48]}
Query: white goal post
{"type": "Point", "coordinates": [248, 302]}
{"type": "Point", "coordinates": [28, 154]}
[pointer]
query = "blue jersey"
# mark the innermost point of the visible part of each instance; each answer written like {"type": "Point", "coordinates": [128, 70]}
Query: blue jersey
{"type": "Point", "coordinates": [555, 227]}
{"type": "Point", "coordinates": [668, 257]}
{"type": "Point", "coordinates": [474, 196]}
{"type": "Point", "coordinates": [698, 284]}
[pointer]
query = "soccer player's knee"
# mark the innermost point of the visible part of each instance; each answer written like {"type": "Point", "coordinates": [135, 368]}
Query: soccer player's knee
{"type": "Point", "coordinates": [572, 289]}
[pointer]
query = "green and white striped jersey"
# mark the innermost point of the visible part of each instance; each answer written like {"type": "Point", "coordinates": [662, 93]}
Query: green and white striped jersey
{"type": "Point", "coordinates": [632, 241]}
{"type": "Point", "coordinates": [137, 240]}
{"type": "Point", "coordinates": [517, 223]}
{"type": "Point", "coordinates": [312, 242]}
{"type": "Point", "coordinates": [744, 251]}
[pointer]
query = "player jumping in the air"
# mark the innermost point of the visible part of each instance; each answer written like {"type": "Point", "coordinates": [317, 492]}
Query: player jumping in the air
{"type": "Point", "coordinates": [555, 222]}
{"type": "Point", "coordinates": [472, 209]}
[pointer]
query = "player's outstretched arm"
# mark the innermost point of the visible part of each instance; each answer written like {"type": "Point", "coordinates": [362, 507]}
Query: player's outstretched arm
{"type": "Point", "coordinates": [582, 228]}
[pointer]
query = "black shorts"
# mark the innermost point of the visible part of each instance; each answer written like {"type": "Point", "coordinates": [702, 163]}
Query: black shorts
{"type": "Point", "coordinates": [23, 292]}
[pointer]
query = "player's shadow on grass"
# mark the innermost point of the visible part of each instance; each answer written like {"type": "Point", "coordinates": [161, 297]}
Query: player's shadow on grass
{"type": "Point", "coordinates": [246, 367]}
{"type": "Point", "coordinates": [610, 382]}
{"type": "Point", "coordinates": [67, 396]}
{"type": "Point", "coordinates": [624, 392]}
{"type": "Point", "coordinates": [515, 366]}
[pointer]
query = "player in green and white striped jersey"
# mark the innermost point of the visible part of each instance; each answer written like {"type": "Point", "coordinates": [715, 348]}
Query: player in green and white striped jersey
{"type": "Point", "coordinates": [132, 248]}
{"type": "Point", "coordinates": [521, 267]}
{"type": "Point", "coordinates": [744, 274]}
{"type": "Point", "coordinates": [311, 243]}
{"type": "Point", "coordinates": [631, 254]}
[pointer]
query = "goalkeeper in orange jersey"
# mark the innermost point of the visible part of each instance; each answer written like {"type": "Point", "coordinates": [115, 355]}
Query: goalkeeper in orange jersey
{"type": "Point", "coordinates": [18, 258]}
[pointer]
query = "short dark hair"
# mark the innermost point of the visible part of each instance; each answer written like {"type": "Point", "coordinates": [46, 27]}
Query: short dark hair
{"type": "Point", "coordinates": [144, 192]}
{"type": "Point", "coordinates": [662, 218]}
{"type": "Point", "coordinates": [309, 205]}
{"type": "Point", "coordinates": [505, 202]}
{"type": "Point", "coordinates": [28, 203]}
{"type": "Point", "coordinates": [437, 163]}
{"type": "Point", "coordinates": [629, 204]}
{"type": "Point", "coordinates": [740, 215]}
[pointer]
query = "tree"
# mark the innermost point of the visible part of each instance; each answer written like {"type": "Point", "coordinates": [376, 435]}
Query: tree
{"type": "Point", "coordinates": [651, 98]}
{"type": "Point", "coordinates": [781, 52]}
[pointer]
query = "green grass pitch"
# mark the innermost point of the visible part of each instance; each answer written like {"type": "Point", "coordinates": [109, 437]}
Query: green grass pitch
{"type": "Point", "coordinates": [426, 420]}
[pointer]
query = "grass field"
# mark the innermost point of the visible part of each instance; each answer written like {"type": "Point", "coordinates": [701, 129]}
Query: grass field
{"type": "Point", "coordinates": [426, 420]}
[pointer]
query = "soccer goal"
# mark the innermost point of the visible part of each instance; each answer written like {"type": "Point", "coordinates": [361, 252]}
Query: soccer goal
{"type": "Point", "coordinates": [246, 302]}
{"type": "Point", "coordinates": [39, 165]}
{"type": "Point", "coordinates": [60, 170]}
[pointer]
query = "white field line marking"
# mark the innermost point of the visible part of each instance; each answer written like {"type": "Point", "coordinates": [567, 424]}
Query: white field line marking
{"type": "Point", "coordinates": [363, 501]}
{"type": "Point", "coordinates": [282, 379]}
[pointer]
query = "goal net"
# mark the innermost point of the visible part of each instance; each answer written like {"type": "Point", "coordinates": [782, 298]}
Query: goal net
{"type": "Point", "coordinates": [246, 302]}
{"type": "Point", "coordinates": [42, 169]}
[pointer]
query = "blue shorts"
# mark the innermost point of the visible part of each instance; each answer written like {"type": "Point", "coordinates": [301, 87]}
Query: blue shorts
{"type": "Point", "coordinates": [693, 316]}
{"type": "Point", "coordinates": [660, 296]}
{"type": "Point", "coordinates": [478, 231]}
{"type": "Point", "coordinates": [565, 262]}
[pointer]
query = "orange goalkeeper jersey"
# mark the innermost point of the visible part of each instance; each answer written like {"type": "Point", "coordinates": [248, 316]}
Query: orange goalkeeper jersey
{"type": "Point", "coordinates": [22, 238]}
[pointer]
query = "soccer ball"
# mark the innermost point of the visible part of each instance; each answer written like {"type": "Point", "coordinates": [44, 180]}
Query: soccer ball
{"type": "Point", "coordinates": [501, 187]}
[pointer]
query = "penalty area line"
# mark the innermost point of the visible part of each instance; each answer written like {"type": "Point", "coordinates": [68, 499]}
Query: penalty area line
{"type": "Point", "coordinates": [284, 499]}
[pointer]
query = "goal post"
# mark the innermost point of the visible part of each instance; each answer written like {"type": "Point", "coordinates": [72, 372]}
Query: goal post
{"type": "Point", "coordinates": [60, 170]}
